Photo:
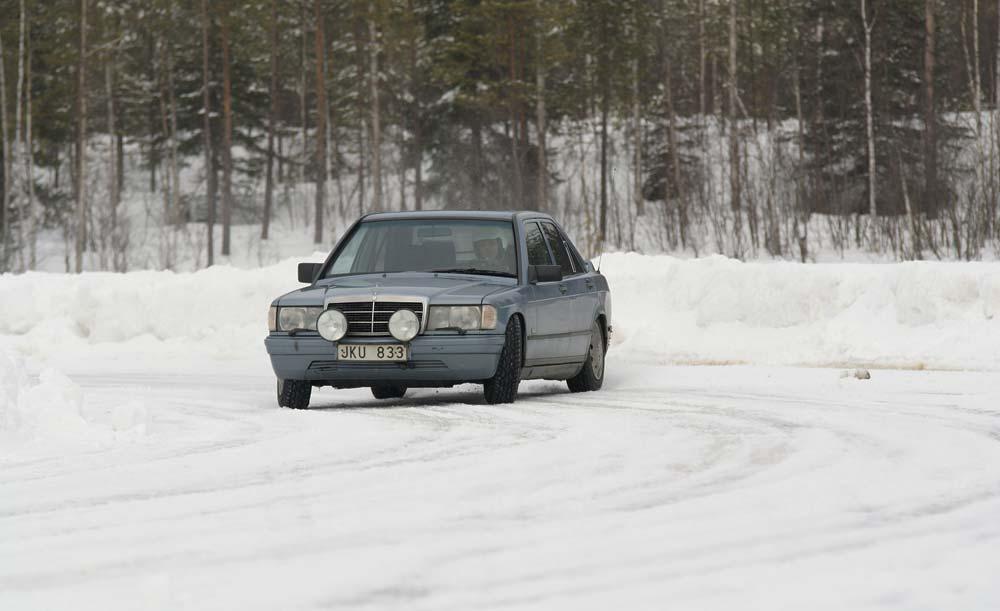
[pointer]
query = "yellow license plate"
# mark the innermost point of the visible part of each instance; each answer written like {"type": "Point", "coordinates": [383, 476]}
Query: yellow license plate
{"type": "Point", "coordinates": [371, 352]}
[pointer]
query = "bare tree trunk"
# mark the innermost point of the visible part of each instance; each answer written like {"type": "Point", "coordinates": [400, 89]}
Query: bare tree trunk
{"type": "Point", "coordinates": [320, 161]}
{"type": "Point", "coordinates": [31, 215]}
{"type": "Point", "coordinates": [637, 141]}
{"type": "Point", "coordinates": [81, 139]}
{"type": "Point", "coordinates": [303, 91]}
{"type": "Point", "coordinates": [418, 144]}
{"type": "Point", "coordinates": [735, 188]}
{"type": "Point", "coordinates": [272, 117]}
{"type": "Point", "coordinates": [227, 138]}
{"type": "Point", "coordinates": [917, 251]}
{"type": "Point", "coordinates": [175, 178]}
{"type": "Point", "coordinates": [540, 113]}
{"type": "Point", "coordinates": [870, 124]}
{"type": "Point", "coordinates": [605, 81]}
{"type": "Point", "coordinates": [996, 116]}
{"type": "Point", "coordinates": [517, 186]}
{"type": "Point", "coordinates": [168, 113]}
{"type": "Point", "coordinates": [16, 149]}
{"type": "Point", "coordinates": [801, 210]}
{"type": "Point", "coordinates": [675, 162]}
{"type": "Point", "coordinates": [977, 106]}
{"type": "Point", "coordinates": [210, 186]}
{"type": "Point", "coordinates": [166, 185]}
{"type": "Point", "coordinates": [376, 140]}
{"type": "Point", "coordinates": [603, 223]}
{"type": "Point", "coordinates": [5, 131]}
{"type": "Point", "coordinates": [114, 194]}
{"type": "Point", "coordinates": [930, 203]}
{"type": "Point", "coordinates": [702, 101]}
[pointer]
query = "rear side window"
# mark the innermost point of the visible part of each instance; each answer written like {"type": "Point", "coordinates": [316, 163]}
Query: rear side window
{"type": "Point", "coordinates": [559, 249]}
{"type": "Point", "coordinates": [538, 254]}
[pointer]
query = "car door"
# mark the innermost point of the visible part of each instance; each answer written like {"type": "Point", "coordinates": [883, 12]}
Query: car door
{"type": "Point", "coordinates": [547, 319]}
{"type": "Point", "coordinates": [577, 295]}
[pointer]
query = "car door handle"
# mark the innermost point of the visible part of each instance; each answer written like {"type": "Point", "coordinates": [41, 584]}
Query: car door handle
{"type": "Point", "coordinates": [563, 288]}
{"type": "Point", "coordinates": [590, 285]}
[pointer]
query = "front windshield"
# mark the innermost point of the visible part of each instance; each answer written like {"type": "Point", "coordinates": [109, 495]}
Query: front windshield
{"type": "Point", "coordinates": [431, 245]}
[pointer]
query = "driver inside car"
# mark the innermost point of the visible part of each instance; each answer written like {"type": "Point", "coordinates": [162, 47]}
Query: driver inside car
{"type": "Point", "coordinates": [490, 253]}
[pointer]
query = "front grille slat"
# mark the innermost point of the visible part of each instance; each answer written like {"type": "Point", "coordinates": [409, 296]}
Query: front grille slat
{"type": "Point", "coordinates": [368, 319]}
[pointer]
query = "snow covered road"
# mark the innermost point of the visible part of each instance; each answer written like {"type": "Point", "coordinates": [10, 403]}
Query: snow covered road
{"type": "Point", "coordinates": [688, 487]}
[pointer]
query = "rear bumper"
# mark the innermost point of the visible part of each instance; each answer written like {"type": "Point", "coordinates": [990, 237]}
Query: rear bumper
{"type": "Point", "coordinates": [434, 361]}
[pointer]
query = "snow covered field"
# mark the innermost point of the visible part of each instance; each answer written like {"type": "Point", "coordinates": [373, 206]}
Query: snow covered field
{"type": "Point", "coordinates": [143, 463]}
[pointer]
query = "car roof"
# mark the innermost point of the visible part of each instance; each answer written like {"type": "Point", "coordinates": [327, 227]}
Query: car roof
{"type": "Point", "coordinates": [492, 215]}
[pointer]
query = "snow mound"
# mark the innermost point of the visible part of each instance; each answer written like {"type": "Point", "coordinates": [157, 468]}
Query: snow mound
{"type": "Point", "coordinates": [665, 310]}
{"type": "Point", "coordinates": [50, 406]}
{"type": "Point", "coordinates": [51, 409]}
{"type": "Point", "coordinates": [906, 315]}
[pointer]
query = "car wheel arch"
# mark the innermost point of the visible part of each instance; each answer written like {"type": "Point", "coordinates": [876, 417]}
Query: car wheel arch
{"type": "Point", "coordinates": [524, 333]}
{"type": "Point", "coordinates": [602, 322]}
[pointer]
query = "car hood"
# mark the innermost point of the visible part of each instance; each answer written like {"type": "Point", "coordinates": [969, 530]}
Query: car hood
{"type": "Point", "coordinates": [455, 289]}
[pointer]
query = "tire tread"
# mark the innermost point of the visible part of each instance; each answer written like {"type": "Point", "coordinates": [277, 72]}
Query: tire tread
{"type": "Point", "coordinates": [502, 388]}
{"type": "Point", "coordinates": [294, 394]}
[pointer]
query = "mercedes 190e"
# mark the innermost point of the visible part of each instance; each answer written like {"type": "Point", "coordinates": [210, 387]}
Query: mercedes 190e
{"type": "Point", "coordinates": [436, 299]}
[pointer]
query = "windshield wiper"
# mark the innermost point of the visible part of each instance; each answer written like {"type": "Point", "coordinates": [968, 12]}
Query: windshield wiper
{"type": "Point", "coordinates": [475, 270]}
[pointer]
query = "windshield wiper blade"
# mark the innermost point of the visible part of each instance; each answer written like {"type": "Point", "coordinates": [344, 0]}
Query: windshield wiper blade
{"type": "Point", "coordinates": [474, 270]}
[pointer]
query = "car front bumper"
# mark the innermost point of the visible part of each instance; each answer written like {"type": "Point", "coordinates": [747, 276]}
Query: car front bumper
{"type": "Point", "coordinates": [434, 360]}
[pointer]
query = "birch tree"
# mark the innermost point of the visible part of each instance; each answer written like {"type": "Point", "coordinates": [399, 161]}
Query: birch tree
{"type": "Point", "coordinates": [868, 24]}
{"type": "Point", "coordinates": [206, 132]}
{"type": "Point", "coordinates": [15, 153]}
{"type": "Point", "coordinates": [5, 135]}
{"type": "Point", "coordinates": [930, 202]}
{"type": "Point", "coordinates": [227, 136]}
{"type": "Point", "coordinates": [735, 186]}
{"type": "Point", "coordinates": [81, 139]}
{"type": "Point", "coordinates": [30, 215]}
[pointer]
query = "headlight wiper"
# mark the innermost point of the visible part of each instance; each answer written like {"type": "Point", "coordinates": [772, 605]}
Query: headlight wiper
{"type": "Point", "coordinates": [474, 270]}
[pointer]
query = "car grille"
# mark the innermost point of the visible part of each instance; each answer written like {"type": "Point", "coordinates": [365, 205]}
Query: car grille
{"type": "Point", "coordinates": [371, 319]}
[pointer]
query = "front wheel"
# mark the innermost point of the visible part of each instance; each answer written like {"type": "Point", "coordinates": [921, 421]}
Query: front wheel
{"type": "Point", "coordinates": [591, 377]}
{"type": "Point", "coordinates": [502, 387]}
{"type": "Point", "coordinates": [294, 393]}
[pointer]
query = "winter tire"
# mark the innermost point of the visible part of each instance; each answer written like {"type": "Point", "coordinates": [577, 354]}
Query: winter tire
{"type": "Point", "coordinates": [591, 377]}
{"type": "Point", "coordinates": [502, 387]}
{"type": "Point", "coordinates": [388, 391]}
{"type": "Point", "coordinates": [294, 393]}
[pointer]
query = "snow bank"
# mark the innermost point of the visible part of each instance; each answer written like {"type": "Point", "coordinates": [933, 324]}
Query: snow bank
{"type": "Point", "coordinates": [666, 310]}
{"type": "Point", "coordinates": [906, 315]}
{"type": "Point", "coordinates": [222, 310]}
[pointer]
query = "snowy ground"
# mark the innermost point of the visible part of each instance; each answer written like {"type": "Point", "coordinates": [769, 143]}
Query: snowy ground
{"type": "Point", "coordinates": [143, 463]}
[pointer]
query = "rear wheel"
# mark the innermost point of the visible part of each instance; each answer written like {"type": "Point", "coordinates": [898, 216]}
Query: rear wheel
{"type": "Point", "coordinates": [388, 391]}
{"type": "Point", "coordinates": [502, 387]}
{"type": "Point", "coordinates": [294, 393]}
{"type": "Point", "coordinates": [591, 377]}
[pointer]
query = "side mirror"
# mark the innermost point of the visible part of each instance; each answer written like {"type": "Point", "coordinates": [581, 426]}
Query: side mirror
{"type": "Point", "coordinates": [308, 272]}
{"type": "Point", "coordinates": [544, 273]}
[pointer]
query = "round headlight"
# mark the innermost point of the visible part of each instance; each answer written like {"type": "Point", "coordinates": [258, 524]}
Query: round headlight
{"type": "Point", "coordinates": [332, 325]}
{"type": "Point", "coordinates": [404, 325]}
